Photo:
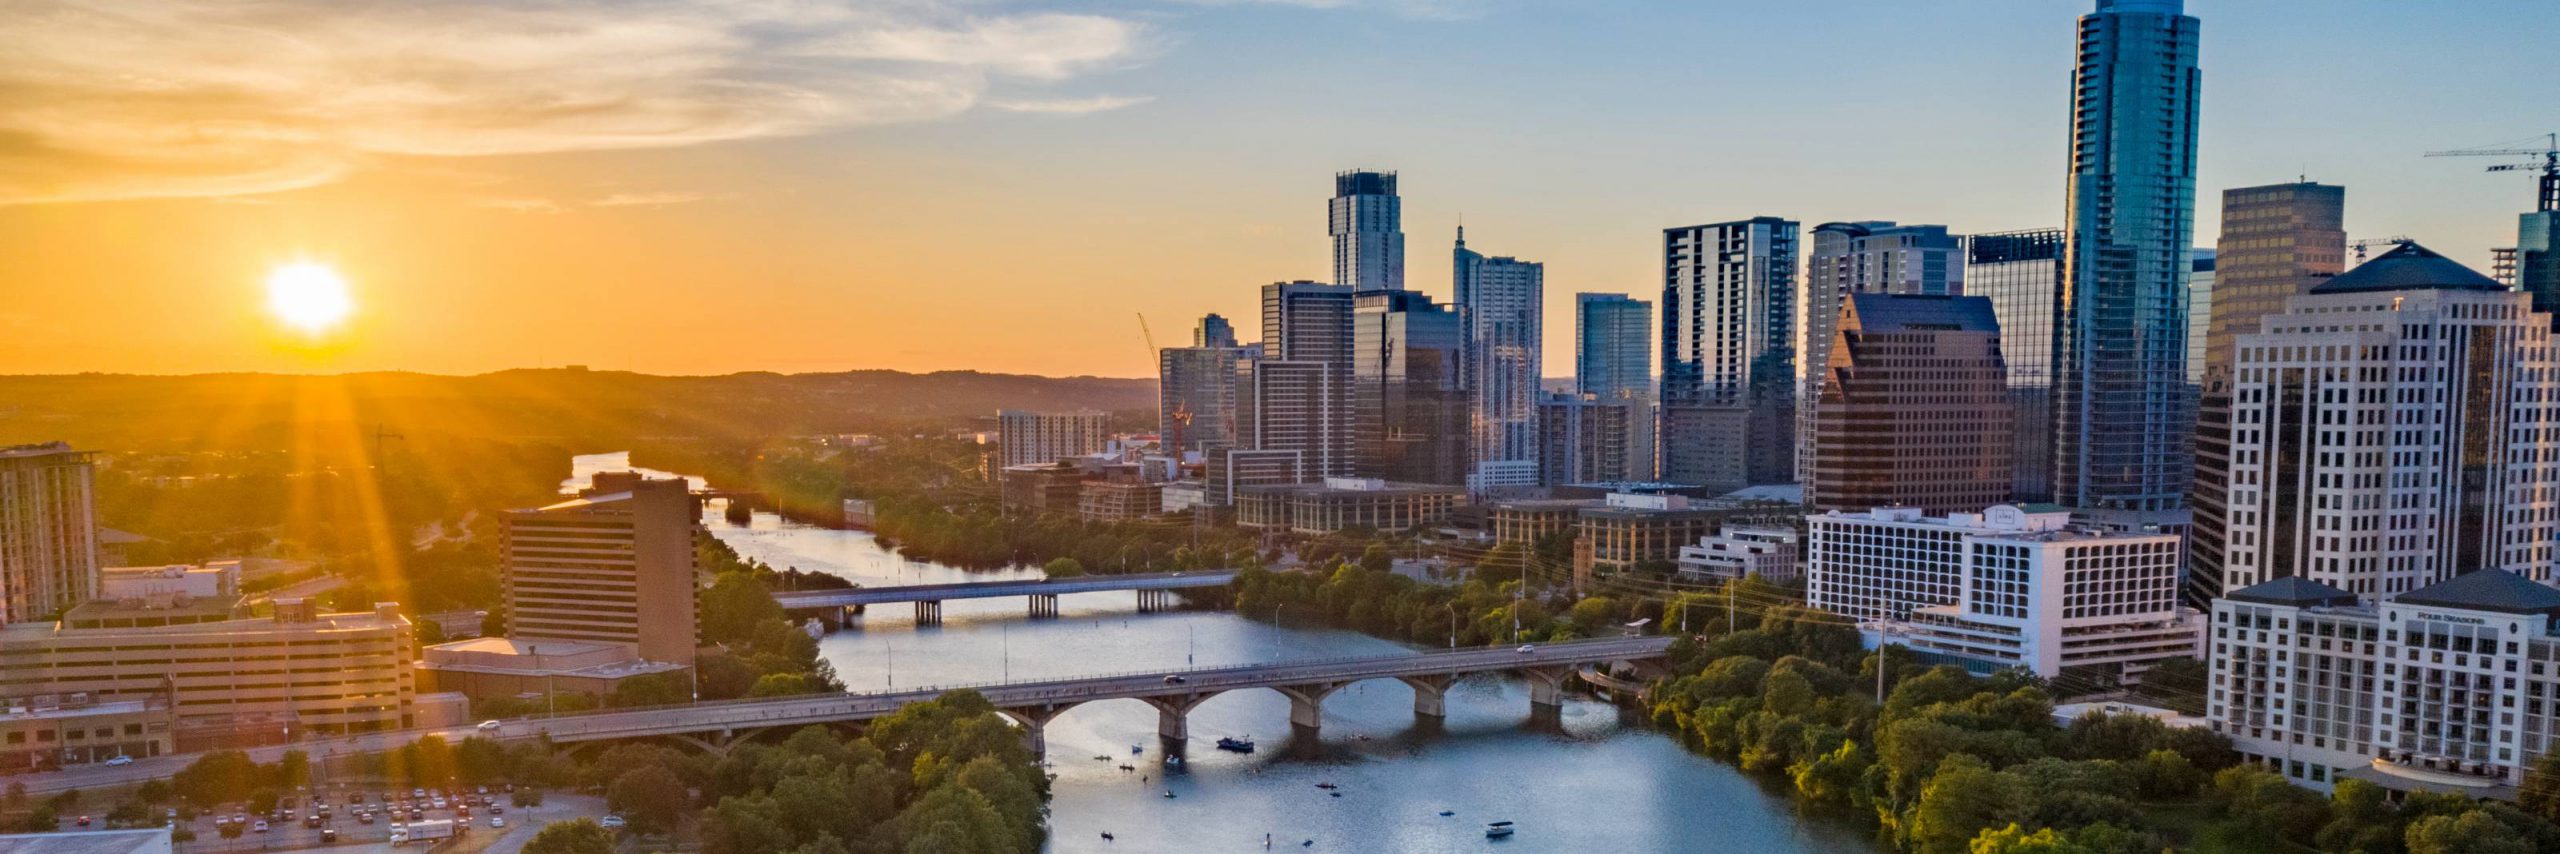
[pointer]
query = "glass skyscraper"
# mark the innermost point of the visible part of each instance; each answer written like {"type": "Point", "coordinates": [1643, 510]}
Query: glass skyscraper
{"type": "Point", "coordinates": [1847, 258]}
{"type": "Point", "coordinates": [2123, 409]}
{"type": "Point", "coordinates": [1366, 219]}
{"type": "Point", "coordinates": [1728, 353]}
{"type": "Point", "coordinates": [2021, 273]}
{"type": "Point", "coordinates": [1613, 363]}
{"type": "Point", "coordinates": [1499, 302]}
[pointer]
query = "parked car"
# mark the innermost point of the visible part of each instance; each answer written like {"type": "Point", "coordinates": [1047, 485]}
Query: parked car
{"type": "Point", "coordinates": [497, 821]}
{"type": "Point", "coordinates": [120, 759]}
{"type": "Point", "coordinates": [611, 821]}
{"type": "Point", "coordinates": [260, 826]}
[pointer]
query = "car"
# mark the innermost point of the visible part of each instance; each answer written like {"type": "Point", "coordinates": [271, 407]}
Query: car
{"type": "Point", "coordinates": [490, 726]}
{"type": "Point", "coordinates": [1174, 679]}
{"type": "Point", "coordinates": [328, 834]}
{"type": "Point", "coordinates": [83, 822]}
{"type": "Point", "coordinates": [1527, 648]}
{"type": "Point", "coordinates": [364, 818]}
{"type": "Point", "coordinates": [497, 809]}
{"type": "Point", "coordinates": [417, 815]}
{"type": "Point", "coordinates": [496, 821]}
{"type": "Point", "coordinates": [120, 759]}
{"type": "Point", "coordinates": [239, 818]}
{"type": "Point", "coordinates": [259, 826]}
{"type": "Point", "coordinates": [611, 821]}
{"type": "Point", "coordinates": [484, 789]}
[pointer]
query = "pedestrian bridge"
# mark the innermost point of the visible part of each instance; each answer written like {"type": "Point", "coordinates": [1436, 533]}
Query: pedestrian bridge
{"type": "Point", "coordinates": [1547, 667]}
{"type": "Point", "coordinates": [1154, 592]}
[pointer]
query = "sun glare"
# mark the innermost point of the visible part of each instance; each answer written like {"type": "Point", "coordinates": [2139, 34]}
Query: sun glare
{"type": "Point", "coordinates": [308, 297]}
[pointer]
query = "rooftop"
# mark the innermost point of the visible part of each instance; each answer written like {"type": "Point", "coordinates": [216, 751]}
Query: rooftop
{"type": "Point", "coordinates": [2407, 267]}
{"type": "Point", "coordinates": [87, 842]}
{"type": "Point", "coordinates": [2487, 590]}
{"type": "Point", "coordinates": [2293, 591]}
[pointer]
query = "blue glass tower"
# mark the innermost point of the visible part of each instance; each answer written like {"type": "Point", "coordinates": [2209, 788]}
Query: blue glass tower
{"type": "Point", "coordinates": [2123, 412]}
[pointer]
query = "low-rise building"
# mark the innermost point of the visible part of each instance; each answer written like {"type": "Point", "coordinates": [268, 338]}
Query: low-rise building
{"type": "Point", "coordinates": [2007, 587]}
{"type": "Point", "coordinates": [312, 672]}
{"type": "Point", "coordinates": [1120, 500]}
{"type": "Point", "coordinates": [1524, 521]}
{"type": "Point", "coordinates": [1345, 502]}
{"type": "Point", "coordinates": [54, 730]}
{"type": "Point", "coordinates": [212, 580]}
{"type": "Point", "coordinates": [1045, 489]}
{"type": "Point", "coordinates": [481, 668]}
{"type": "Point", "coordinates": [2451, 687]}
{"type": "Point", "coordinates": [1767, 552]}
{"type": "Point", "coordinates": [1631, 529]}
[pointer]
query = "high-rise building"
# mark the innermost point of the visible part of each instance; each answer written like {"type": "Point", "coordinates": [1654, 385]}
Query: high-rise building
{"type": "Point", "coordinates": [2537, 258]}
{"type": "Point", "coordinates": [2390, 430]}
{"type": "Point", "coordinates": [2008, 586]}
{"type": "Point", "coordinates": [2277, 242]}
{"type": "Point", "coordinates": [2020, 272]}
{"type": "Point", "coordinates": [48, 530]}
{"type": "Point", "coordinates": [1861, 258]}
{"type": "Point", "coordinates": [1585, 439]}
{"type": "Point", "coordinates": [1409, 411]}
{"type": "Point", "coordinates": [1293, 408]}
{"type": "Point", "coordinates": [1613, 361]}
{"type": "Point", "coordinates": [2199, 311]}
{"type": "Point", "coordinates": [1367, 221]}
{"type": "Point", "coordinates": [1500, 319]}
{"type": "Point", "coordinates": [1728, 353]}
{"type": "Point", "coordinates": [1036, 438]}
{"type": "Point", "coordinates": [1311, 323]}
{"type": "Point", "coordinates": [1196, 394]}
{"type": "Point", "coordinates": [614, 565]}
{"type": "Point", "coordinates": [1915, 412]}
{"type": "Point", "coordinates": [1213, 331]}
{"type": "Point", "coordinates": [2123, 412]}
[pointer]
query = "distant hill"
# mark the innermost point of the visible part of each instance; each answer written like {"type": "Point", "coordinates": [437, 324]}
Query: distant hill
{"type": "Point", "coordinates": [219, 411]}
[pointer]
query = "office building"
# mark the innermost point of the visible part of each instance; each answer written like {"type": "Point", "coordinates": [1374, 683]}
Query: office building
{"type": "Point", "coordinates": [1500, 318]}
{"type": "Point", "coordinates": [2537, 253]}
{"type": "Point", "coordinates": [298, 671]}
{"type": "Point", "coordinates": [2123, 412]}
{"type": "Point", "coordinates": [1613, 339]}
{"type": "Point", "coordinates": [1628, 530]}
{"type": "Point", "coordinates": [1770, 553]}
{"type": "Point", "coordinates": [1196, 388]}
{"type": "Point", "coordinates": [614, 565]}
{"type": "Point", "coordinates": [1915, 409]}
{"type": "Point", "coordinates": [2450, 687]}
{"type": "Point", "coordinates": [48, 530]}
{"type": "Point", "coordinates": [1229, 470]}
{"type": "Point", "coordinates": [2391, 429]}
{"type": "Point", "coordinates": [1846, 258]}
{"type": "Point", "coordinates": [2277, 242]}
{"type": "Point", "coordinates": [2020, 272]}
{"type": "Point", "coordinates": [1366, 219]}
{"type": "Point", "coordinates": [1584, 439]}
{"type": "Point", "coordinates": [483, 668]}
{"type": "Point", "coordinates": [1296, 408]}
{"type": "Point", "coordinates": [1409, 412]}
{"type": "Point", "coordinates": [1311, 323]}
{"type": "Point", "coordinates": [1048, 489]}
{"type": "Point", "coordinates": [1031, 438]}
{"type": "Point", "coordinates": [2009, 586]}
{"type": "Point", "coordinates": [1213, 331]}
{"type": "Point", "coordinates": [2200, 277]}
{"type": "Point", "coordinates": [1728, 353]}
{"type": "Point", "coordinates": [1341, 503]}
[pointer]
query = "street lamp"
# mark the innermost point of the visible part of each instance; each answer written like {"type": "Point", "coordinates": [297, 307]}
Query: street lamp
{"type": "Point", "coordinates": [1453, 624]}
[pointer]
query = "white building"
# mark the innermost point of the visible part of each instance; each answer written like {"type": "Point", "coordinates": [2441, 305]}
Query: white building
{"type": "Point", "coordinates": [1040, 438]}
{"type": "Point", "coordinates": [212, 580]}
{"type": "Point", "coordinates": [2452, 687]}
{"type": "Point", "coordinates": [1743, 551]}
{"type": "Point", "coordinates": [1499, 302]}
{"type": "Point", "coordinates": [2010, 587]}
{"type": "Point", "coordinates": [48, 530]}
{"type": "Point", "coordinates": [2394, 427]}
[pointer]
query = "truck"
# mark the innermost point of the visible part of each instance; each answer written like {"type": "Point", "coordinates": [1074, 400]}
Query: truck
{"type": "Point", "coordinates": [422, 831]}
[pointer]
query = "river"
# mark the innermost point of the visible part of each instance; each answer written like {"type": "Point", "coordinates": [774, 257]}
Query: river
{"type": "Point", "coordinates": [1604, 783]}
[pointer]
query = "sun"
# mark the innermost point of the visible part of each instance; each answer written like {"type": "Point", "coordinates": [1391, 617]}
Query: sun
{"type": "Point", "coordinates": [308, 297]}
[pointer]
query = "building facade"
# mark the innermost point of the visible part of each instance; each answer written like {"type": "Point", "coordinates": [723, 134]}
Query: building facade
{"type": "Point", "coordinates": [2009, 586]}
{"type": "Point", "coordinates": [2391, 429]}
{"type": "Point", "coordinates": [1409, 408]}
{"type": "Point", "coordinates": [1613, 339]}
{"type": "Point", "coordinates": [2020, 272]}
{"type": "Point", "coordinates": [615, 565]}
{"type": "Point", "coordinates": [1031, 438]}
{"type": "Point", "coordinates": [48, 530]}
{"type": "Point", "coordinates": [1728, 353]}
{"type": "Point", "coordinates": [1341, 503]}
{"type": "Point", "coordinates": [1914, 411]}
{"type": "Point", "coordinates": [1310, 324]}
{"type": "Point", "coordinates": [2200, 280]}
{"type": "Point", "coordinates": [2537, 253]}
{"type": "Point", "coordinates": [1366, 219]}
{"type": "Point", "coordinates": [304, 670]}
{"type": "Point", "coordinates": [2277, 242]}
{"type": "Point", "coordinates": [2123, 412]}
{"type": "Point", "coordinates": [1845, 258]}
{"type": "Point", "coordinates": [1196, 393]}
{"type": "Point", "coordinates": [1500, 321]}
{"type": "Point", "coordinates": [1583, 439]}
{"type": "Point", "coordinates": [1767, 552]}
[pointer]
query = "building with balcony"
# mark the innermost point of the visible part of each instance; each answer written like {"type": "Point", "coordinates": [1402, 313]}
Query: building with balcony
{"type": "Point", "coordinates": [1341, 503]}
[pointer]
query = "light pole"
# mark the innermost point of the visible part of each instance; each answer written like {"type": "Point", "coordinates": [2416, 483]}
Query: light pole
{"type": "Point", "coordinates": [1275, 624]}
{"type": "Point", "coordinates": [1453, 624]}
{"type": "Point", "coordinates": [1006, 639]}
{"type": "Point", "coordinates": [893, 662]}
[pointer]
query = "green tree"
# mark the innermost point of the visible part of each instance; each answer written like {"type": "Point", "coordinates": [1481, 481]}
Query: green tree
{"type": "Point", "coordinates": [654, 689]}
{"type": "Point", "coordinates": [2473, 832]}
{"type": "Point", "coordinates": [952, 819]}
{"type": "Point", "coordinates": [1063, 567]}
{"type": "Point", "coordinates": [2540, 795]}
{"type": "Point", "coordinates": [293, 770]}
{"type": "Point", "coordinates": [734, 606]}
{"type": "Point", "coordinates": [1961, 800]}
{"type": "Point", "coordinates": [650, 796]}
{"type": "Point", "coordinates": [2013, 840]}
{"type": "Point", "coordinates": [749, 824]}
{"type": "Point", "coordinates": [576, 836]}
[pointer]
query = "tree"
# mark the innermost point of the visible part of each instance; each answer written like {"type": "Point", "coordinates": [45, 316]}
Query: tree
{"type": "Point", "coordinates": [293, 770]}
{"type": "Point", "coordinates": [1063, 567]}
{"type": "Point", "coordinates": [1376, 558]}
{"type": "Point", "coordinates": [734, 606]}
{"type": "Point", "coordinates": [654, 689]}
{"type": "Point", "coordinates": [1961, 800]}
{"type": "Point", "coordinates": [2474, 832]}
{"type": "Point", "coordinates": [2540, 795]}
{"type": "Point", "coordinates": [580, 836]}
{"type": "Point", "coordinates": [650, 796]}
{"type": "Point", "coordinates": [2013, 840]}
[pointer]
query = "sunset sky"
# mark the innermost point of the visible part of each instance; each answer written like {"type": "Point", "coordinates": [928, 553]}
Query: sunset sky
{"type": "Point", "coordinates": [710, 187]}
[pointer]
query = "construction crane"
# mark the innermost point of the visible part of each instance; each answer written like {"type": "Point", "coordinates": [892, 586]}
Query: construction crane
{"type": "Point", "coordinates": [1180, 417]}
{"type": "Point", "coordinates": [2548, 198]}
{"type": "Point", "coordinates": [2361, 245]}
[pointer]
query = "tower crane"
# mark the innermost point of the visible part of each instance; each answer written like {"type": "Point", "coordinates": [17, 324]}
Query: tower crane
{"type": "Point", "coordinates": [2361, 245]}
{"type": "Point", "coordinates": [1180, 417]}
{"type": "Point", "coordinates": [2548, 197]}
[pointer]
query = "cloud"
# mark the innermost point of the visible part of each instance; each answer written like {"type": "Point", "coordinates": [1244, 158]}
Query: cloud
{"type": "Point", "coordinates": [524, 205]}
{"type": "Point", "coordinates": [1068, 106]}
{"type": "Point", "coordinates": [1427, 9]}
{"type": "Point", "coordinates": [617, 200]}
{"type": "Point", "coordinates": [108, 99]}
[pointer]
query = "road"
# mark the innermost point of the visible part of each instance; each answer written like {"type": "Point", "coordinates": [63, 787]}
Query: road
{"type": "Point", "coordinates": [794, 599]}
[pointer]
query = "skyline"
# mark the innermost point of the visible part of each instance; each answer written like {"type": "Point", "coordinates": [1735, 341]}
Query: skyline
{"type": "Point", "coordinates": [1202, 180]}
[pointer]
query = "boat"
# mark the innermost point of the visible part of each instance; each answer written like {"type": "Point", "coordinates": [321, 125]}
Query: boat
{"type": "Point", "coordinates": [1337, 793]}
{"type": "Point", "coordinates": [1136, 749]}
{"type": "Point", "coordinates": [1173, 761]}
{"type": "Point", "coordinates": [1498, 830]}
{"type": "Point", "coordinates": [1236, 745]}
{"type": "Point", "coordinates": [1326, 786]}
{"type": "Point", "coordinates": [1448, 813]}
{"type": "Point", "coordinates": [1102, 759]}
{"type": "Point", "coordinates": [1168, 794]}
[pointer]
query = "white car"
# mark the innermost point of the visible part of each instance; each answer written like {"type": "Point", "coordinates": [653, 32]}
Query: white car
{"type": "Point", "coordinates": [611, 821]}
{"type": "Point", "coordinates": [490, 726]}
{"type": "Point", "coordinates": [1527, 648]}
{"type": "Point", "coordinates": [120, 759]}
{"type": "Point", "coordinates": [497, 821]}
{"type": "Point", "coordinates": [260, 826]}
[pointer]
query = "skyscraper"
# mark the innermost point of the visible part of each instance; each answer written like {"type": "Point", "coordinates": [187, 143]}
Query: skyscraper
{"type": "Point", "coordinates": [1915, 412]}
{"type": "Point", "coordinates": [1288, 415]}
{"type": "Point", "coordinates": [1213, 331]}
{"type": "Point", "coordinates": [1040, 438]}
{"type": "Point", "coordinates": [1196, 388]}
{"type": "Point", "coordinates": [1613, 361]}
{"type": "Point", "coordinates": [2200, 278]}
{"type": "Point", "coordinates": [1366, 219]}
{"type": "Point", "coordinates": [2537, 255]}
{"type": "Point", "coordinates": [1728, 353]}
{"type": "Point", "coordinates": [2020, 272]}
{"type": "Point", "coordinates": [1583, 438]}
{"type": "Point", "coordinates": [2123, 415]}
{"type": "Point", "coordinates": [48, 530]}
{"type": "Point", "coordinates": [615, 565]}
{"type": "Point", "coordinates": [1307, 323]}
{"type": "Point", "coordinates": [1862, 258]}
{"type": "Point", "coordinates": [1500, 319]}
{"type": "Point", "coordinates": [2277, 242]}
{"type": "Point", "coordinates": [2390, 430]}
{"type": "Point", "coordinates": [1409, 410]}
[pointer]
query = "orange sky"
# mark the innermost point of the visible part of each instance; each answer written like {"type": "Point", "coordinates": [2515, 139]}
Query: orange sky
{"type": "Point", "coordinates": [706, 186]}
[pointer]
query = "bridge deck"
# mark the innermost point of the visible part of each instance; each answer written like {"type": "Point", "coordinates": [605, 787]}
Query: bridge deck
{"type": "Point", "coordinates": [991, 589]}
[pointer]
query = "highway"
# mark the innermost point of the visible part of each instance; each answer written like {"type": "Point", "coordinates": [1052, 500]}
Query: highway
{"type": "Point", "coordinates": [804, 599]}
{"type": "Point", "coordinates": [739, 715]}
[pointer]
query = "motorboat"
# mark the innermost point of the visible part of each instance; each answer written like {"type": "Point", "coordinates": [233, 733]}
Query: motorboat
{"type": "Point", "coordinates": [1236, 745]}
{"type": "Point", "coordinates": [1498, 830]}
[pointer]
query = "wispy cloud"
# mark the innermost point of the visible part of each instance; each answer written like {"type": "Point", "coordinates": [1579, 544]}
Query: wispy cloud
{"type": "Point", "coordinates": [1071, 106]}
{"type": "Point", "coordinates": [1432, 9]}
{"type": "Point", "coordinates": [524, 205]}
{"type": "Point", "coordinates": [618, 200]}
{"type": "Point", "coordinates": [106, 99]}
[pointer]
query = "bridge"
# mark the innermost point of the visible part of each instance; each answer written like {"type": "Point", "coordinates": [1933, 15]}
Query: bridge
{"type": "Point", "coordinates": [1155, 592]}
{"type": "Point", "coordinates": [1546, 667]}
